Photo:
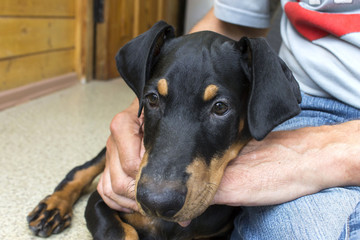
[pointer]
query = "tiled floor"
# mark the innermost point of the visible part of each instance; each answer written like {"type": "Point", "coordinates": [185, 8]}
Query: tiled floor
{"type": "Point", "coordinates": [42, 140]}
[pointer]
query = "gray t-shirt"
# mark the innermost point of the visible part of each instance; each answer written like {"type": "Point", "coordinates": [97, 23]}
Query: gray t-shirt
{"type": "Point", "coordinates": [321, 41]}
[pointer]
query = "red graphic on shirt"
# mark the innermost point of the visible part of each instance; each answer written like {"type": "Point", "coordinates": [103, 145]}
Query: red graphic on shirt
{"type": "Point", "coordinates": [314, 25]}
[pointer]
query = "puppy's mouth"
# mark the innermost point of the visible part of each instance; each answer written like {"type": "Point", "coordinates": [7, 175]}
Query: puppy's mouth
{"type": "Point", "coordinates": [181, 202]}
{"type": "Point", "coordinates": [202, 185]}
{"type": "Point", "coordinates": [175, 201]}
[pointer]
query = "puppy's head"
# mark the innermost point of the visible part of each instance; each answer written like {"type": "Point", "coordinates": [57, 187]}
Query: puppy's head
{"type": "Point", "coordinates": [204, 97]}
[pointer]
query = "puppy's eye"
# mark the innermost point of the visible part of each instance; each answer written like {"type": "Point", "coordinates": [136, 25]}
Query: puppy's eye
{"type": "Point", "coordinates": [220, 108]}
{"type": "Point", "coordinates": [153, 100]}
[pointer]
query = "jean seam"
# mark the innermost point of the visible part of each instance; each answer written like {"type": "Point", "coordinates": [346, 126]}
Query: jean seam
{"type": "Point", "coordinates": [347, 237]}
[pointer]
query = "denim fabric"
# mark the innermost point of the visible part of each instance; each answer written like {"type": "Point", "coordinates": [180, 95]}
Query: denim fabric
{"type": "Point", "coordinates": [351, 229]}
{"type": "Point", "coordinates": [326, 215]}
{"type": "Point", "coordinates": [318, 111]}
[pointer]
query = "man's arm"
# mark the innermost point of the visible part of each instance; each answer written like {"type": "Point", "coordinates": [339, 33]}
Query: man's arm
{"type": "Point", "coordinates": [290, 164]}
{"type": "Point", "coordinates": [211, 23]}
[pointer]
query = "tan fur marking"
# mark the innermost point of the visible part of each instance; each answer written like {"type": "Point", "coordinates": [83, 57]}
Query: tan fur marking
{"type": "Point", "coordinates": [149, 224]}
{"type": "Point", "coordinates": [71, 192]}
{"type": "Point", "coordinates": [241, 125]}
{"type": "Point", "coordinates": [203, 183]}
{"type": "Point", "coordinates": [210, 92]}
{"type": "Point", "coordinates": [82, 179]}
{"type": "Point", "coordinates": [143, 163]}
{"type": "Point", "coordinates": [163, 87]}
{"type": "Point", "coordinates": [129, 231]}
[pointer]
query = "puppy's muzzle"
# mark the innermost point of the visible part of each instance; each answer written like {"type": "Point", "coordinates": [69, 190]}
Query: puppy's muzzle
{"type": "Point", "coordinates": [162, 199]}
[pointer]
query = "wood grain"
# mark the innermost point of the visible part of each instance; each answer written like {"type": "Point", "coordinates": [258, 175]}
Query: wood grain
{"type": "Point", "coordinates": [21, 71]}
{"type": "Point", "coordinates": [23, 36]}
{"type": "Point", "coordinates": [53, 8]}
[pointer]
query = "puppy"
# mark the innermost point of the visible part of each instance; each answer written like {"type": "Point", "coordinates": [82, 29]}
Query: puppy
{"type": "Point", "coordinates": [204, 96]}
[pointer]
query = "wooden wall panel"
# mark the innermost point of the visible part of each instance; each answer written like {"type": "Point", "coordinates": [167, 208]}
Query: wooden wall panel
{"type": "Point", "coordinates": [22, 36]}
{"type": "Point", "coordinates": [53, 8]}
{"type": "Point", "coordinates": [37, 40]}
{"type": "Point", "coordinates": [25, 70]}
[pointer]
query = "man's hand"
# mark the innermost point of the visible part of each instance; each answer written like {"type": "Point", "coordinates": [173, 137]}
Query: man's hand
{"type": "Point", "coordinates": [123, 156]}
{"type": "Point", "coordinates": [289, 164]}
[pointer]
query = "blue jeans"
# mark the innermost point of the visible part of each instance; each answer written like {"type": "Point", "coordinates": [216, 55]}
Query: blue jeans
{"type": "Point", "coordinates": [330, 214]}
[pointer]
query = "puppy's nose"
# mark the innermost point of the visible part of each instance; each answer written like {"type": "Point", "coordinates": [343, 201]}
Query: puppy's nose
{"type": "Point", "coordinates": [162, 200]}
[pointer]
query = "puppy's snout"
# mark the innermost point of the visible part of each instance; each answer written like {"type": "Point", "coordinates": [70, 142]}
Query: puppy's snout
{"type": "Point", "coordinates": [163, 199]}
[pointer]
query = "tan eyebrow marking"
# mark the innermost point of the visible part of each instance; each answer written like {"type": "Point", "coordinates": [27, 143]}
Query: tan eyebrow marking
{"type": "Point", "coordinates": [163, 87]}
{"type": "Point", "coordinates": [210, 92]}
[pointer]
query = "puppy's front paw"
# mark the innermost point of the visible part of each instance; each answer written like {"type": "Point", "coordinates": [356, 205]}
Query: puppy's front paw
{"type": "Point", "coordinates": [52, 215]}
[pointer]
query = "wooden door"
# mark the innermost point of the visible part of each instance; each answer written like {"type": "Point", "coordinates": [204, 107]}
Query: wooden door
{"type": "Point", "coordinates": [124, 20]}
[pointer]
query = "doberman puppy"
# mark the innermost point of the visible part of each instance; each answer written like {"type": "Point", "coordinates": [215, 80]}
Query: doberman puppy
{"type": "Point", "coordinates": [204, 96]}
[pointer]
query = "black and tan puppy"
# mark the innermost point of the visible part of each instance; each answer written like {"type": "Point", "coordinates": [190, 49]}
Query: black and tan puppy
{"type": "Point", "coordinates": [204, 96]}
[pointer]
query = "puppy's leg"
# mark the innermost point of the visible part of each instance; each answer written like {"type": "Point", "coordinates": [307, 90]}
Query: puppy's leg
{"type": "Point", "coordinates": [53, 214]}
{"type": "Point", "coordinates": [105, 223]}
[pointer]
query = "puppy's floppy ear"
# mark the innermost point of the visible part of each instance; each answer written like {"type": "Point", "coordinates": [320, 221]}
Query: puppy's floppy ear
{"type": "Point", "coordinates": [136, 58]}
{"type": "Point", "coordinates": [275, 94]}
